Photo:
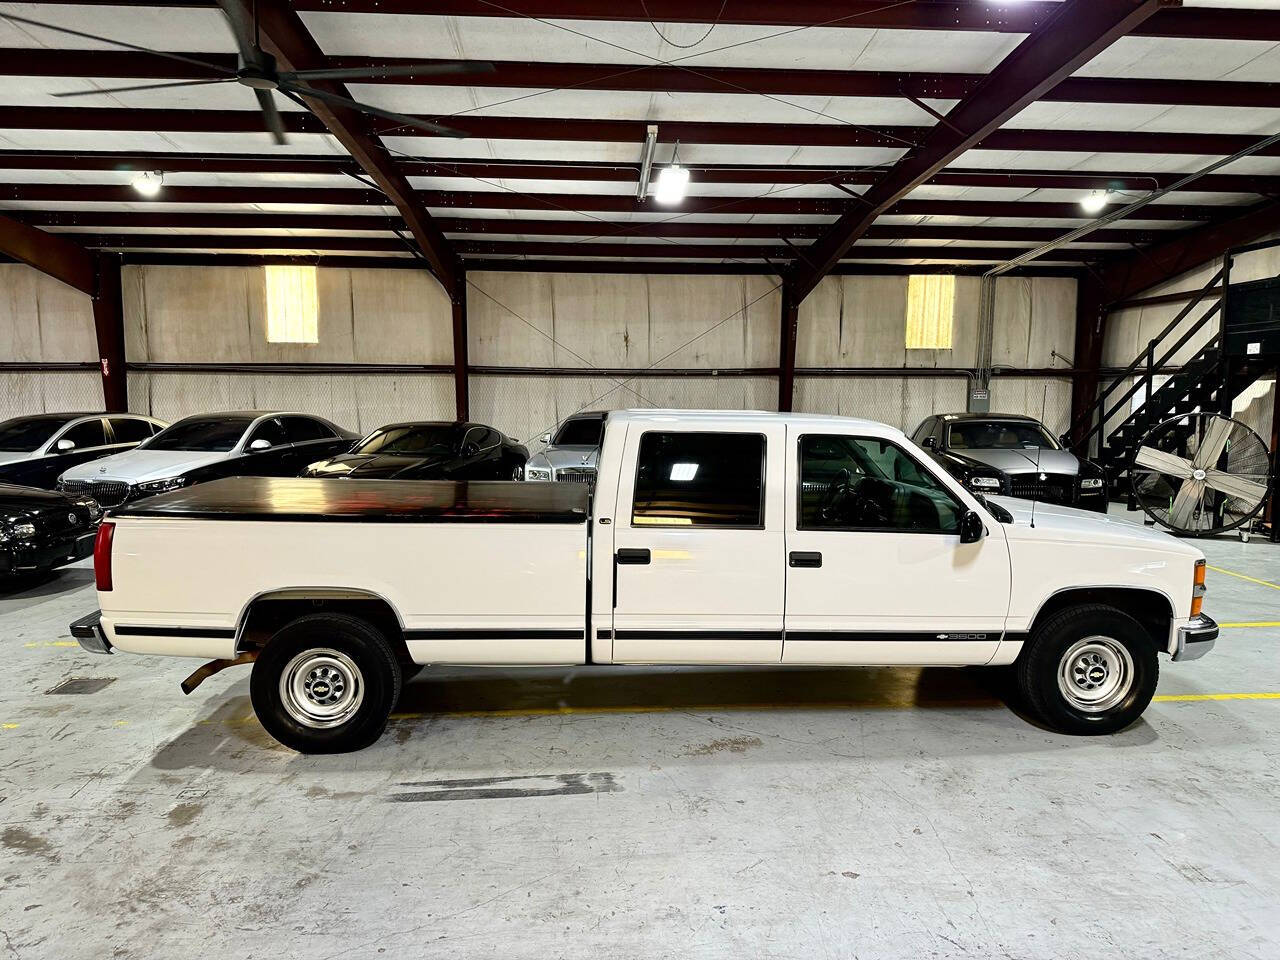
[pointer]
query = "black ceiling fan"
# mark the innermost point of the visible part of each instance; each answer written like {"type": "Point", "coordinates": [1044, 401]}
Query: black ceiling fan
{"type": "Point", "coordinates": [257, 70]}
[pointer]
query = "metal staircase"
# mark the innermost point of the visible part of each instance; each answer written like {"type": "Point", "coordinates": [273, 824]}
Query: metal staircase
{"type": "Point", "coordinates": [1210, 381]}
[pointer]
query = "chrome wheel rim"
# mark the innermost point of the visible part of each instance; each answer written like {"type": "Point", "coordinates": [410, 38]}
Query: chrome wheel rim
{"type": "Point", "coordinates": [321, 688]}
{"type": "Point", "coordinates": [1095, 674]}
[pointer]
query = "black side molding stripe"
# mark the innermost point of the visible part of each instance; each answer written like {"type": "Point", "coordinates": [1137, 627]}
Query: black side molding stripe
{"type": "Point", "coordinates": [697, 634]}
{"type": "Point", "coordinates": [829, 635]}
{"type": "Point", "coordinates": [213, 633]}
{"type": "Point", "coordinates": [892, 637]}
{"type": "Point", "coordinates": [493, 635]}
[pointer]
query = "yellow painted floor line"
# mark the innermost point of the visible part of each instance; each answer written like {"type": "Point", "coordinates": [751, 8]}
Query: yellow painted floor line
{"type": "Point", "coordinates": [51, 643]}
{"type": "Point", "coordinates": [1253, 623]}
{"type": "Point", "coordinates": [822, 705]}
{"type": "Point", "coordinates": [1192, 697]}
{"type": "Point", "coordinates": [1232, 573]}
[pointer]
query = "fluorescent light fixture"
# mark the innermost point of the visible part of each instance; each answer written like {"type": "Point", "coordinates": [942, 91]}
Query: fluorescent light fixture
{"type": "Point", "coordinates": [1095, 201]}
{"type": "Point", "coordinates": [673, 182]}
{"type": "Point", "coordinates": [683, 472]}
{"type": "Point", "coordinates": [149, 182]}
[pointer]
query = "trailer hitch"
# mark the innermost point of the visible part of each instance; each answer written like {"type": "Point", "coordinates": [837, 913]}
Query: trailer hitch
{"type": "Point", "coordinates": [216, 666]}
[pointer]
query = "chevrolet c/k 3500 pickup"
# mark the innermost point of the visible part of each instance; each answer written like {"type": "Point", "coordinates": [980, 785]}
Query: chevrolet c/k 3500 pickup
{"type": "Point", "coordinates": [713, 537]}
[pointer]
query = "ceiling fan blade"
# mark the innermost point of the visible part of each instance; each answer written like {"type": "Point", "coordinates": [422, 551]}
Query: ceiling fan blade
{"type": "Point", "coordinates": [401, 118]}
{"type": "Point", "coordinates": [275, 123]}
{"type": "Point", "coordinates": [242, 29]}
{"type": "Point", "coordinates": [216, 68]}
{"type": "Point", "coordinates": [146, 86]}
{"type": "Point", "coordinates": [430, 68]}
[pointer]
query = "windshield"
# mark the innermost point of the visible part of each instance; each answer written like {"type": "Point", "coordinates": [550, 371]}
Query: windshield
{"type": "Point", "coordinates": [424, 440]}
{"type": "Point", "coordinates": [583, 432]}
{"type": "Point", "coordinates": [213, 434]}
{"type": "Point", "coordinates": [999, 435]}
{"type": "Point", "coordinates": [25, 434]}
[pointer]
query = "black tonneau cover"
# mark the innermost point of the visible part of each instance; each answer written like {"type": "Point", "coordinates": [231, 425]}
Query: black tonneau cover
{"type": "Point", "coordinates": [368, 501]}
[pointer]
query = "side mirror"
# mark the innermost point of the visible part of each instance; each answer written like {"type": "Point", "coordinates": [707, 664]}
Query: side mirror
{"type": "Point", "coordinates": [260, 444]}
{"type": "Point", "coordinates": [64, 445]}
{"type": "Point", "coordinates": [972, 528]}
{"type": "Point", "coordinates": [470, 450]}
{"type": "Point", "coordinates": [928, 443]}
{"type": "Point", "coordinates": [546, 438]}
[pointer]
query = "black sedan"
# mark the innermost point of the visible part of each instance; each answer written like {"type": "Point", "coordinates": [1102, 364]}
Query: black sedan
{"type": "Point", "coordinates": [36, 448]}
{"type": "Point", "coordinates": [429, 451]}
{"type": "Point", "coordinates": [43, 529]}
{"type": "Point", "coordinates": [1013, 456]}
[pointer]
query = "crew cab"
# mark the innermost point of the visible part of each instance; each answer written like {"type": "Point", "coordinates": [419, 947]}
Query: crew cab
{"type": "Point", "coordinates": [713, 537]}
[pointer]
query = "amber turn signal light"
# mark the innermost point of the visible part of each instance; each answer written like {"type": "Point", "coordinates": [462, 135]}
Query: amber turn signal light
{"type": "Point", "coordinates": [1197, 589]}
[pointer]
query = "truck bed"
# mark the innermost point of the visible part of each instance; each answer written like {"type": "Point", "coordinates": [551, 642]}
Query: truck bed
{"type": "Point", "coordinates": [411, 501]}
{"type": "Point", "coordinates": [511, 590]}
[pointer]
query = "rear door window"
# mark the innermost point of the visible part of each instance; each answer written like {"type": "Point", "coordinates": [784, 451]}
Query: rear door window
{"type": "Point", "coordinates": [699, 480]}
{"type": "Point", "coordinates": [129, 430]}
{"type": "Point", "coordinates": [306, 429]}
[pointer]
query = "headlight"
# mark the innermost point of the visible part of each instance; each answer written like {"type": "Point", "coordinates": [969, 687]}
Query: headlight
{"type": "Point", "coordinates": [537, 473]}
{"type": "Point", "coordinates": [91, 505]}
{"type": "Point", "coordinates": [984, 483]}
{"type": "Point", "coordinates": [23, 530]}
{"type": "Point", "coordinates": [161, 486]}
{"type": "Point", "coordinates": [1091, 483]}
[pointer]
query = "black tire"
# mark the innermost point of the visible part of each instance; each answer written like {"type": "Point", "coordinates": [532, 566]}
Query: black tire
{"type": "Point", "coordinates": [350, 663]}
{"type": "Point", "coordinates": [1082, 650]}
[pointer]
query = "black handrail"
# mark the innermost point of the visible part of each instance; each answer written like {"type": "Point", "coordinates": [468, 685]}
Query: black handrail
{"type": "Point", "coordinates": [1087, 414]}
{"type": "Point", "coordinates": [1154, 366]}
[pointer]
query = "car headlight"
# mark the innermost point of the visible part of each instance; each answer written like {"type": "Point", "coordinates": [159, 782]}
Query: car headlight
{"type": "Point", "coordinates": [23, 530]}
{"type": "Point", "coordinates": [161, 486]}
{"type": "Point", "coordinates": [537, 473]}
{"type": "Point", "coordinates": [984, 483]}
{"type": "Point", "coordinates": [1091, 483]}
{"type": "Point", "coordinates": [91, 505]}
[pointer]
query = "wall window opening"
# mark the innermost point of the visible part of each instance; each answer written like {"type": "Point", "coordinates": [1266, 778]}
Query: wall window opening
{"type": "Point", "coordinates": [931, 309]}
{"type": "Point", "coordinates": [293, 305]}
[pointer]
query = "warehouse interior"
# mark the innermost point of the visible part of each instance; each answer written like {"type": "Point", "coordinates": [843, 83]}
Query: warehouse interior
{"type": "Point", "coordinates": [518, 211]}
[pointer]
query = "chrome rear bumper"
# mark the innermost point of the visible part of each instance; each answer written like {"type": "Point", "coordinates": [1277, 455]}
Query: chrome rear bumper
{"type": "Point", "coordinates": [88, 631]}
{"type": "Point", "coordinates": [1196, 638]}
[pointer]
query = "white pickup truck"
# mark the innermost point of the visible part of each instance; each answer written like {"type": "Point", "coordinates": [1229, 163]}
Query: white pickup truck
{"type": "Point", "coordinates": [713, 537]}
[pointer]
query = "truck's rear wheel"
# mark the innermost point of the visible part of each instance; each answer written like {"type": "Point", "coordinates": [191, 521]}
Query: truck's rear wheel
{"type": "Point", "coordinates": [325, 683]}
{"type": "Point", "coordinates": [1088, 670]}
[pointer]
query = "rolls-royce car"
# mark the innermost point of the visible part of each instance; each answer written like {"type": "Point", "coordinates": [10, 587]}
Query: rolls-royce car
{"type": "Point", "coordinates": [428, 451]}
{"type": "Point", "coordinates": [1014, 456]}
{"type": "Point", "coordinates": [36, 449]}
{"type": "Point", "coordinates": [247, 443]}
{"type": "Point", "coordinates": [43, 529]}
{"type": "Point", "coordinates": [570, 455]}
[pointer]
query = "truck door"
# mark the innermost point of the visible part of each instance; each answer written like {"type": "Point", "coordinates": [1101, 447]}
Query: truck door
{"type": "Point", "coordinates": [876, 572]}
{"type": "Point", "coordinates": [698, 544]}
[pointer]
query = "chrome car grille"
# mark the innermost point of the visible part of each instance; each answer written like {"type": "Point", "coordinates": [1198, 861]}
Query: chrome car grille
{"type": "Point", "coordinates": [1054, 488]}
{"type": "Point", "coordinates": [108, 493]}
{"type": "Point", "coordinates": [585, 475]}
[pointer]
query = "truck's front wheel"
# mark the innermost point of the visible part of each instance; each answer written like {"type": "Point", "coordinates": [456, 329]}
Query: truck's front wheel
{"type": "Point", "coordinates": [1090, 669]}
{"type": "Point", "coordinates": [325, 683]}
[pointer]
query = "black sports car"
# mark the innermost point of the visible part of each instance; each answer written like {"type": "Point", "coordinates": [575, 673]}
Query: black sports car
{"type": "Point", "coordinates": [429, 451]}
{"type": "Point", "coordinates": [43, 529]}
{"type": "Point", "coordinates": [1013, 456]}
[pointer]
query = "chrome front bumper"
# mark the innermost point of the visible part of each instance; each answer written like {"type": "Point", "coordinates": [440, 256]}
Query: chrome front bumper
{"type": "Point", "coordinates": [1196, 638]}
{"type": "Point", "coordinates": [88, 632]}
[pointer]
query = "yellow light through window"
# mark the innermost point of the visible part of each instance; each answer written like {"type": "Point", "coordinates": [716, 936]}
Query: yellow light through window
{"type": "Point", "coordinates": [931, 308]}
{"type": "Point", "coordinates": [293, 305]}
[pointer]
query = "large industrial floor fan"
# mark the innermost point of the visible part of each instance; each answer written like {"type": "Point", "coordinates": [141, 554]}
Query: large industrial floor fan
{"type": "Point", "coordinates": [1201, 474]}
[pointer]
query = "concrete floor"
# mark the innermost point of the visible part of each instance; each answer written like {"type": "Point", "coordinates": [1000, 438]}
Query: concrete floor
{"type": "Point", "coordinates": [640, 813]}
